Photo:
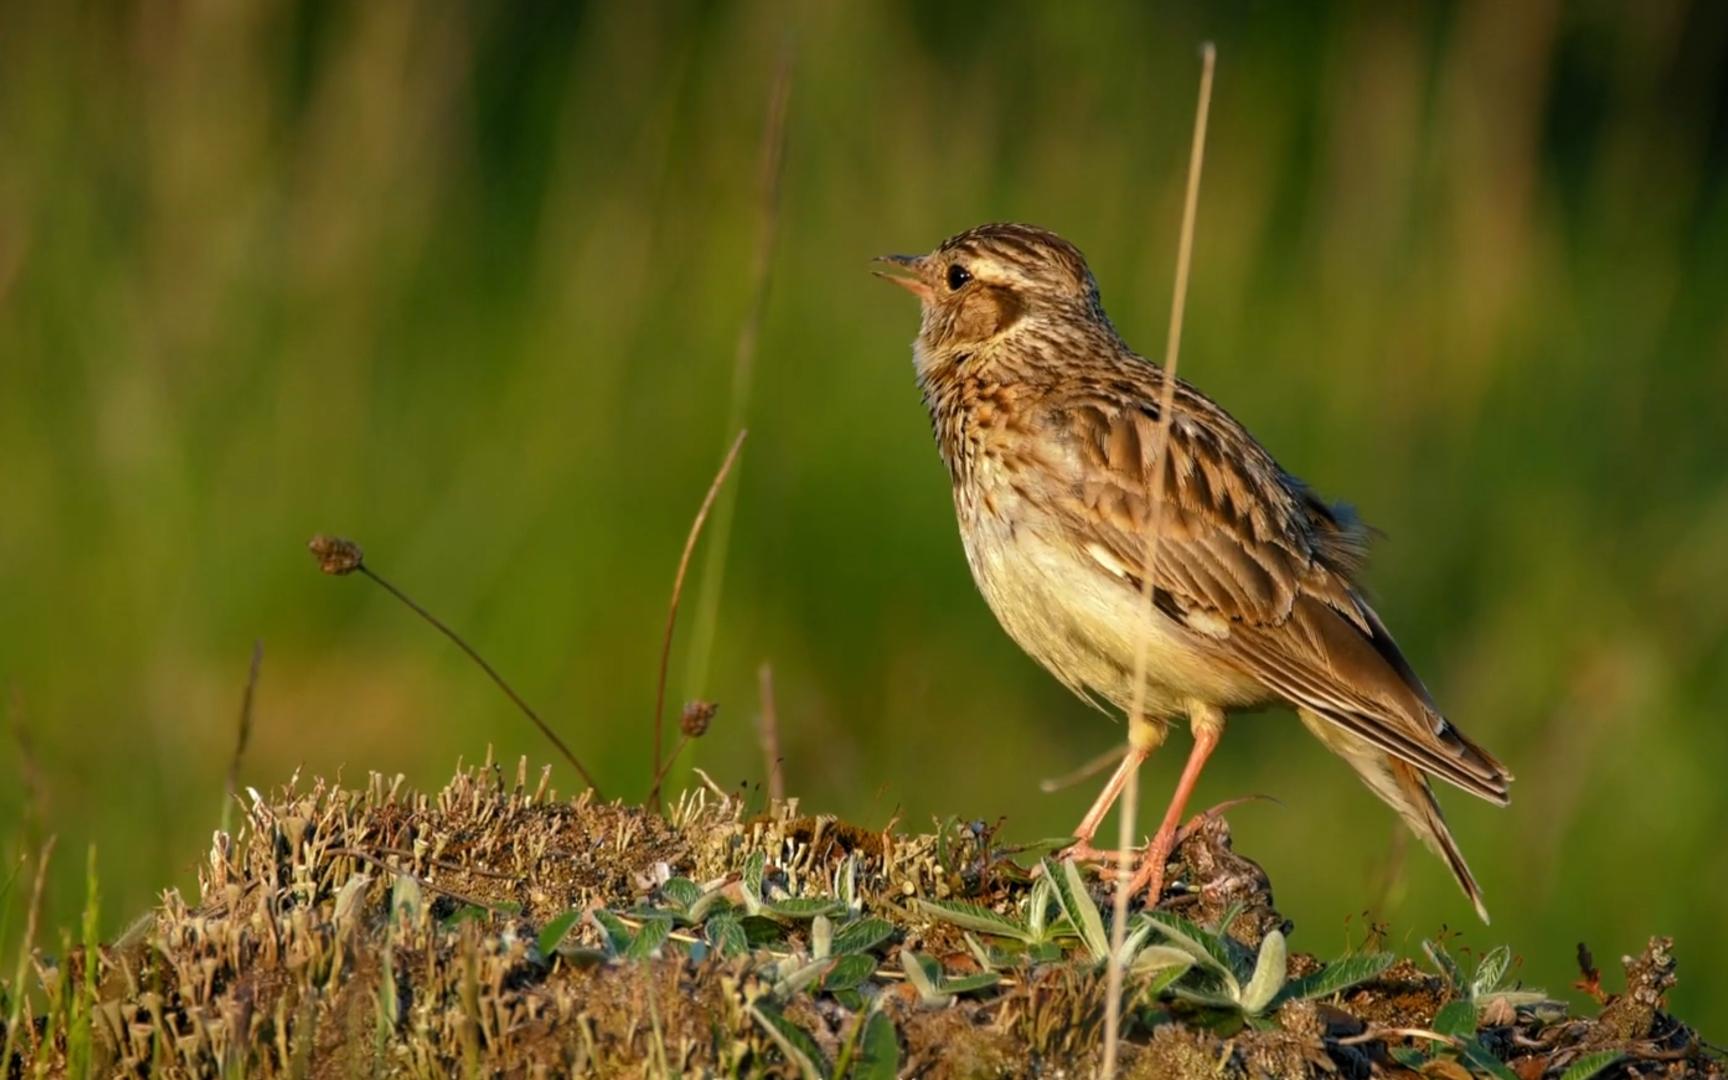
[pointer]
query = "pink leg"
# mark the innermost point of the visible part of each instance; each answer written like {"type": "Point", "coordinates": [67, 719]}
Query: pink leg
{"type": "Point", "coordinates": [1151, 872]}
{"type": "Point", "coordinates": [1088, 828]}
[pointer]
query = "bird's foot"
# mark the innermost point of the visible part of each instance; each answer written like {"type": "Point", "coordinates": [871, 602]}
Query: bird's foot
{"type": "Point", "coordinates": [1082, 851]}
{"type": "Point", "coordinates": [1149, 878]}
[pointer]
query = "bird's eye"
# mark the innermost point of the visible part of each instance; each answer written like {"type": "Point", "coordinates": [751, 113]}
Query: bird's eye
{"type": "Point", "coordinates": [957, 276]}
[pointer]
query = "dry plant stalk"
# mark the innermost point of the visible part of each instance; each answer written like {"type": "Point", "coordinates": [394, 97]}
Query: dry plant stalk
{"type": "Point", "coordinates": [677, 594]}
{"type": "Point", "coordinates": [692, 724]}
{"type": "Point", "coordinates": [768, 734]}
{"type": "Point", "coordinates": [340, 557]}
{"type": "Point", "coordinates": [232, 789]}
{"type": "Point", "coordinates": [744, 363]}
{"type": "Point", "coordinates": [1160, 446]}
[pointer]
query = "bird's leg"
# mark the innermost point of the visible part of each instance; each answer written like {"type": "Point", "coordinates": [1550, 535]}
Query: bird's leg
{"type": "Point", "coordinates": [1207, 723]}
{"type": "Point", "coordinates": [1144, 736]}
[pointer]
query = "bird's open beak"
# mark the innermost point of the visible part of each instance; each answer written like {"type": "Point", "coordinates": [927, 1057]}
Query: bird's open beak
{"type": "Point", "coordinates": [912, 281]}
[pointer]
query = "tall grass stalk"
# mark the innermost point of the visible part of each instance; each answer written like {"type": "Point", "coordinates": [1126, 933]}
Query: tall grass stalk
{"type": "Point", "coordinates": [1160, 446]}
{"type": "Point", "coordinates": [25, 946]}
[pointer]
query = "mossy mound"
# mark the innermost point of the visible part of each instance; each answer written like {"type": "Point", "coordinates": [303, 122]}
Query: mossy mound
{"type": "Point", "coordinates": [492, 928]}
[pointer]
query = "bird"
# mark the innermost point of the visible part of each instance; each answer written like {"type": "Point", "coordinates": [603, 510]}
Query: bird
{"type": "Point", "coordinates": [1048, 424]}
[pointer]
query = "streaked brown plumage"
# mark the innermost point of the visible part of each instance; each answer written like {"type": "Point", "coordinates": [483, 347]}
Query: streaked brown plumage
{"type": "Point", "coordinates": [1047, 422]}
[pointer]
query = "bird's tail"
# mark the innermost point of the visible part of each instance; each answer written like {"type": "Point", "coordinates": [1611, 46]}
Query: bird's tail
{"type": "Point", "coordinates": [1405, 789]}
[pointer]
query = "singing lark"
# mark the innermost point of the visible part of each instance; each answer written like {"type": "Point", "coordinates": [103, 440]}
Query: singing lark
{"type": "Point", "coordinates": [1048, 423]}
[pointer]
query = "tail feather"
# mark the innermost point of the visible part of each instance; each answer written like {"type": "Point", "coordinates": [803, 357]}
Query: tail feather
{"type": "Point", "coordinates": [1404, 788]}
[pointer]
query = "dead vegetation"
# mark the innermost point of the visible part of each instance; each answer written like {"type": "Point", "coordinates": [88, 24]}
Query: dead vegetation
{"type": "Point", "coordinates": [494, 928]}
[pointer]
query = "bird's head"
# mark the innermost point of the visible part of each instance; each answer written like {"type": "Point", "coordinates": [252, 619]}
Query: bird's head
{"type": "Point", "coordinates": [991, 283]}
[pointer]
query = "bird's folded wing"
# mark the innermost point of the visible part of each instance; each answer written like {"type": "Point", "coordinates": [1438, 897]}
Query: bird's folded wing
{"type": "Point", "coordinates": [1259, 569]}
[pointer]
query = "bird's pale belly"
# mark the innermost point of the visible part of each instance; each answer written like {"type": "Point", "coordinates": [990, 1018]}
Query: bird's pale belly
{"type": "Point", "coordinates": [1084, 624]}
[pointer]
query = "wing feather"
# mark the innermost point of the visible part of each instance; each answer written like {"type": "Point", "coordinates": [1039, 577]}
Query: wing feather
{"type": "Point", "coordinates": [1248, 547]}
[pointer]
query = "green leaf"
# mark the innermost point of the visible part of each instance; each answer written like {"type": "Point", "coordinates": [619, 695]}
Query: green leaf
{"type": "Point", "coordinates": [1038, 906]}
{"type": "Point", "coordinates": [798, 977]}
{"type": "Point", "coordinates": [923, 973]}
{"type": "Point", "coordinates": [553, 933]}
{"type": "Point", "coordinates": [1078, 905]}
{"type": "Point", "coordinates": [706, 903]}
{"type": "Point", "coordinates": [1150, 958]}
{"type": "Point", "coordinates": [879, 1053]}
{"type": "Point", "coordinates": [1478, 1056]}
{"type": "Point", "coordinates": [1164, 977]}
{"type": "Point", "coordinates": [861, 936]}
{"type": "Point", "coordinates": [803, 907]}
{"type": "Point", "coordinates": [762, 930]}
{"type": "Point", "coordinates": [681, 891]}
{"type": "Point", "coordinates": [846, 884]}
{"type": "Point", "coordinates": [974, 917]}
{"type": "Point", "coordinates": [1490, 970]}
{"type": "Point", "coordinates": [942, 852]}
{"type": "Point", "coordinates": [463, 914]}
{"type": "Point", "coordinates": [406, 896]}
{"type": "Point", "coordinates": [1591, 1064]}
{"type": "Point", "coordinates": [1445, 965]}
{"type": "Point", "coordinates": [1270, 971]}
{"type": "Point", "coordinates": [618, 936]}
{"type": "Point", "coordinates": [1199, 943]}
{"type": "Point", "coordinates": [751, 882]}
{"type": "Point", "coordinates": [1206, 998]}
{"type": "Point", "coordinates": [1037, 849]}
{"type": "Point", "coordinates": [653, 934]}
{"type": "Point", "coordinates": [965, 984]}
{"type": "Point", "coordinates": [1339, 975]}
{"type": "Point", "coordinates": [1045, 952]}
{"type": "Point", "coordinates": [726, 935]}
{"type": "Point", "coordinates": [795, 1043]}
{"type": "Point", "coordinates": [849, 972]}
{"type": "Point", "coordinates": [821, 937]}
{"type": "Point", "coordinates": [1457, 1018]}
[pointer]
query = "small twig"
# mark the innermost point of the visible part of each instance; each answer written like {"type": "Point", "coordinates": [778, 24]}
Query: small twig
{"type": "Point", "coordinates": [339, 557]}
{"type": "Point", "coordinates": [1142, 652]}
{"type": "Point", "coordinates": [25, 946]}
{"type": "Point", "coordinates": [677, 594]}
{"type": "Point", "coordinates": [1092, 768]}
{"type": "Point", "coordinates": [232, 790]}
{"type": "Point", "coordinates": [373, 860]}
{"type": "Point", "coordinates": [768, 734]}
{"type": "Point", "coordinates": [455, 868]}
{"type": "Point", "coordinates": [708, 782]}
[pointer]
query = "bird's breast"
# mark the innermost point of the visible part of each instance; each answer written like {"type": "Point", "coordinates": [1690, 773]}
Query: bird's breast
{"type": "Point", "coordinates": [1076, 618]}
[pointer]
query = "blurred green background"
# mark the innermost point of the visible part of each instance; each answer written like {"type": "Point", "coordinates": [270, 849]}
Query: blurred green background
{"type": "Point", "coordinates": [464, 282]}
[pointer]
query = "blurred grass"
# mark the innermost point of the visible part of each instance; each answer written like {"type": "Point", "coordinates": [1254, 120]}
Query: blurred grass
{"type": "Point", "coordinates": [465, 282]}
